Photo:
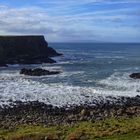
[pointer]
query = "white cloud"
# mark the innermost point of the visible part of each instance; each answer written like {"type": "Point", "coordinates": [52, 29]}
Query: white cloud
{"type": "Point", "coordinates": [68, 27]}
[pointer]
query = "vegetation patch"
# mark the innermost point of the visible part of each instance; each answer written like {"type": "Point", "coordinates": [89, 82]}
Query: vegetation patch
{"type": "Point", "coordinates": [106, 129]}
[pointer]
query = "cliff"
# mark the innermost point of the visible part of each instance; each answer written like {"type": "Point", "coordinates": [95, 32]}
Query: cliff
{"type": "Point", "coordinates": [25, 50]}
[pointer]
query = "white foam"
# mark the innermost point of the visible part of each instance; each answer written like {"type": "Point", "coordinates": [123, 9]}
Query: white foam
{"type": "Point", "coordinates": [50, 67]}
{"type": "Point", "coordinates": [14, 87]}
{"type": "Point", "coordinates": [25, 90]}
{"type": "Point", "coordinates": [121, 82]}
{"type": "Point", "coordinates": [110, 57]}
{"type": "Point", "coordinates": [14, 65]}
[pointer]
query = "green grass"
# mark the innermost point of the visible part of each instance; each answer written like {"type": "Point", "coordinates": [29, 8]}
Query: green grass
{"type": "Point", "coordinates": [108, 129]}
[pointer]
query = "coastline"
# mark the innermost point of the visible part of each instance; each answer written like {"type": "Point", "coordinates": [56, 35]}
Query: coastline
{"type": "Point", "coordinates": [48, 115]}
{"type": "Point", "coordinates": [38, 121]}
{"type": "Point", "coordinates": [19, 116]}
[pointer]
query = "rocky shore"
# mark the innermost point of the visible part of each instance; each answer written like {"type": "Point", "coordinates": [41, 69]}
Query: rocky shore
{"type": "Point", "coordinates": [37, 113]}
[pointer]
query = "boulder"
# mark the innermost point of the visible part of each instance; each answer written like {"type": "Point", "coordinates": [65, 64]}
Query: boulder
{"type": "Point", "coordinates": [135, 75]}
{"type": "Point", "coordinates": [25, 50]}
{"type": "Point", "coordinates": [37, 72]}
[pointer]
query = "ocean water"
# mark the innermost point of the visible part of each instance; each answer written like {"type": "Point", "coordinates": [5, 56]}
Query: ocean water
{"type": "Point", "coordinates": [89, 71]}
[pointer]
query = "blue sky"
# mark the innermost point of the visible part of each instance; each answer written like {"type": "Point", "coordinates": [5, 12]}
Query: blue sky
{"type": "Point", "coordinates": [72, 20]}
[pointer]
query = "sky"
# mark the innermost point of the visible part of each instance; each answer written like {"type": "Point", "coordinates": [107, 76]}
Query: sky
{"type": "Point", "coordinates": [72, 20]}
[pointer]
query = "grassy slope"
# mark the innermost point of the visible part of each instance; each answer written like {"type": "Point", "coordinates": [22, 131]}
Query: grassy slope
{"type": "Point", "coordinates": [108, 129]}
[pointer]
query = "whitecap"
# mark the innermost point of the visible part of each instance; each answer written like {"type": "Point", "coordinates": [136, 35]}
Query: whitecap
{"type": "Point", "coordinates": [14, 87]}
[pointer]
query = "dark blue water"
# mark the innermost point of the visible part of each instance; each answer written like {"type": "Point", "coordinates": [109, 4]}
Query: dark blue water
{"type": "Point", "coordinates": [88, 70]}
{"type": "Point", "coordinates": [98, 61]}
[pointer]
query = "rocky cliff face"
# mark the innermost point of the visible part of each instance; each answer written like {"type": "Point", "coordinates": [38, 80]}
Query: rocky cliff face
{"type": "Point", "coordinates": [25, 50]}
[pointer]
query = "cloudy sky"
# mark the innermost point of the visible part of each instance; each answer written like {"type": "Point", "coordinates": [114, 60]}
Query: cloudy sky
{"type": "Point", "coordinates": [72, 20]}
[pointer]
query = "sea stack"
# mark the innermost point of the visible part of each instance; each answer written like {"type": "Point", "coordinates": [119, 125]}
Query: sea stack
{"type": "Point", "coordinates": [25, 50]}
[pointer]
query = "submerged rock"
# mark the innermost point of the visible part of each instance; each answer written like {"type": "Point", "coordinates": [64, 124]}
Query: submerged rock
{"type": "Point", "coordinates": [37, 72]}
{"type": "Point", "coordinates": [25, 50]}
{"type": "Point", "coordinates": [135, 75]}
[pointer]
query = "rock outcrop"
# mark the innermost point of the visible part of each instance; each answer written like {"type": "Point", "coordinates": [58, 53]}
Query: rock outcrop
{"type": "Point", "coordinates": [135, 75]}
{"type": "Point", "coordinates": [25, 50]}
{"type": "Point", "coordinates": [37, 72]}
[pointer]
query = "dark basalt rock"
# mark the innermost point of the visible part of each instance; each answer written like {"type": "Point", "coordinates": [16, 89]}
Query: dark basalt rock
{"type": "Point", "coordinates": [135, 75]}
{"type": "Point", "coordinates": [25, 50]}
{"type": "Point", "coordinates": [48, 115]}
{"type": "Point", "coordinates": [37, 72]}
{"type": "Point", "coordinates": [3, 65]}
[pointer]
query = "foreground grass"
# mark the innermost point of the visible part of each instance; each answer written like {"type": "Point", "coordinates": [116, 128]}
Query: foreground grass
{"type": "Point", "coordinates": [108, 129]}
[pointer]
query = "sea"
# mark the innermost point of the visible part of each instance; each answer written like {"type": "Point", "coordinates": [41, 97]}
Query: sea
{"type": "Point", "coordinates": [88, 71]}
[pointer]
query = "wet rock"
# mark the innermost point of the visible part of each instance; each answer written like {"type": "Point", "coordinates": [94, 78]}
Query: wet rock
{"type": "Point", "coordinates": [84, 112]}
{"type": "Point", "coordinates": [37, 72]}
{"type": "Point", "coordinates": [39, 113]}
{"type": "Point", "coordinates": [135, 75]}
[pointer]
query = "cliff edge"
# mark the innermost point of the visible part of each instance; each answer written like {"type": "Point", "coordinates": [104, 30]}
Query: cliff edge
{"type": "Point", "coordinates": [25, 50]}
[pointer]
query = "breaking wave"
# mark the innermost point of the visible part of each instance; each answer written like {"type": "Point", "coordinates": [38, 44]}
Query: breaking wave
{"type": "Point", "coordinates": [14, 87]}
